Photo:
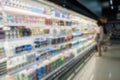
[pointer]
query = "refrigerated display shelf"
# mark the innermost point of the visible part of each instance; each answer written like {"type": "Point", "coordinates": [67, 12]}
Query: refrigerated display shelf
{"type": "Point", "coordinates": [14, 72]}
{"type": "Point", "coordinates": [67, 21]}
{"type": "Point", "coordinates": [22, 68]}
{"type": "Point", "coordinates": [56, 72]}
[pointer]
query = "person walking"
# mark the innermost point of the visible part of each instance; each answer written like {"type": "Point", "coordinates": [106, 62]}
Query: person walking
{"type": "Point", "coordinates": [99, 38]}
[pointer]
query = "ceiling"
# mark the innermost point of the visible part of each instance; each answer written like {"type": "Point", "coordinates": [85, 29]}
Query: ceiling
{"type": "Point", "coordinates": [93, 5]}
{"type": "Point", "coordinates": [110, 9]}
{"type": "Point", "coordinates": [93, 8]}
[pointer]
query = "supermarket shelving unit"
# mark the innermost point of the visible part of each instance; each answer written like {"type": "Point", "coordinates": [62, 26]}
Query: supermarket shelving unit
{"type": "Point", "coordinates": [16, 14]}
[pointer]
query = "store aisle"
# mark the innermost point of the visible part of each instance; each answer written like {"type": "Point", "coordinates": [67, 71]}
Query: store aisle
{"type": "Point", "coordinates": [106, 67]}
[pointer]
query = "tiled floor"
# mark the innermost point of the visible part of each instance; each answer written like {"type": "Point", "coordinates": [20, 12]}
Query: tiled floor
{"type": "Point", "coordinates": [106, 67]}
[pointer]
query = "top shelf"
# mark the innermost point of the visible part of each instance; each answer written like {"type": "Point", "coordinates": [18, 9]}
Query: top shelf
{"type": "Point", "coordinates": [18, 11]}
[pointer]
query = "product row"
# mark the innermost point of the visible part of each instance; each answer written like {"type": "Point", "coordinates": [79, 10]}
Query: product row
{"type": "Point", "coordinates": [22, 31]}
{"type": "Point", "coordinates": [46, 62]}
{"type": "Point", "coordinates": [32, 20]}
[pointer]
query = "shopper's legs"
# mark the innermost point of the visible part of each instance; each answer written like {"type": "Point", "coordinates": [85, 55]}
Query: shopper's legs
{"type": "Point", "coordinates": [96, 49]}
{"type": "Point", "coordinates": [99, 50]}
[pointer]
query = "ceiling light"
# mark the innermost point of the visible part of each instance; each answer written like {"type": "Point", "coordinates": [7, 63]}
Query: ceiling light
{"type": "Point", "coordinates": [112, 7]}
{"type": "Point", "coordinates": [111, 2]}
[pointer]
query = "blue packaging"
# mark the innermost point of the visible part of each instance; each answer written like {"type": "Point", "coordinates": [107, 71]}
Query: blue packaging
{"type": "Point", "coordinates": [41, 72]}
{"type": "Point", "coordinates": [25, 32]}
{"type": "Point", "coordinates": [38, 74]}
{"type": "Point", "coordinates": [27, 47]}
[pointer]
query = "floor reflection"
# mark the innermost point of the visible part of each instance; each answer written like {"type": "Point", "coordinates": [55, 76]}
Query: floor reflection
{"type": "Point", "coordinates": [106, 67]}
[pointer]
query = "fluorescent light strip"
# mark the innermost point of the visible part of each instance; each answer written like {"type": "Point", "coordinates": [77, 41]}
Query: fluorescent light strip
{"type": "Point", "coordinates": [111, 2]}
